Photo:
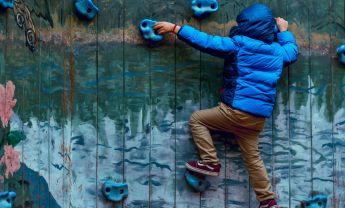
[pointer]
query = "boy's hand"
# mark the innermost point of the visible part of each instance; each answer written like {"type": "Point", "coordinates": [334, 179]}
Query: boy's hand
{"type": "Point", "coordinates": [282, 24]}
{"type": "Point", "coordinates": [166, 27]}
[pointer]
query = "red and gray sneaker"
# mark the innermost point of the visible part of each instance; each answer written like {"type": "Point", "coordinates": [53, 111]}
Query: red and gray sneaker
{"type": "Point", "coordinates": [270, 203]}
{"type": "Point", "coordinates": [199, 167]}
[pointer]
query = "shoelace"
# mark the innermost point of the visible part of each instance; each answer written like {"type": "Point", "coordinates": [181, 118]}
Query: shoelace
{"type": "Point", "coordinates": [201, 164]}
{"type": "Point", "coordinates": [267, 206]}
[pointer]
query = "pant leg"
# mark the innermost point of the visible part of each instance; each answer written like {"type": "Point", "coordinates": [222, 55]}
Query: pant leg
{"type": "Point", "coordinates": [247, 129]}
{"type": "Point", "coordinates": [201, 122]}
{"type": "Point", "coordinates": [249, 145]}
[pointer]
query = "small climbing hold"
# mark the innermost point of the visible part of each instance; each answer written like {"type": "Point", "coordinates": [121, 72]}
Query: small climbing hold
{"type": "Point", "coordinates": [6, 4]}
{"type": "Point", "coordinates": [318, 201]}
{"type": "Point", "coordinates": [203, 7]}
{"type": "Point", "coordinates": [198, 183]}
{"type": "Point", "coordinates": [113, 191]}
{"type": "Point", "coordinates": [14, 137]}
{"type": "Point", "coordinates": [85, 9]}
{"type": "Point", "coordinates": [6, 199]}
{"type": "Point", "coordinates": [341, 53]}
{"type": "Point", "coordinates": [146, 28]}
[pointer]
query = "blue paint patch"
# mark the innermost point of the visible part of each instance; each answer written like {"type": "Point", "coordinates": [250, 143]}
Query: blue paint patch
{"type": "Point", "coordinates": [233, 182]}
{"type": "Point", "coordinates": [59, 167]}
{"type": "Point", "coordinates": [340, 123]}
{"type": "Point", "coordinates": [38, 186]}
{"type": "Point", "coordinates": [78, 140]}
{"type": "Point", "coordinates": [126, 150]}
{"type": "Point", "coordinates": [165, 126]}
{"type": "Point", "coordinates": [158, 165]}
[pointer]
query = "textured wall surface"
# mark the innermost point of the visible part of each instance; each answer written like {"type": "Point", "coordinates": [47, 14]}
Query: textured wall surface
{"type": "Point", "coordinates": [95, 101]}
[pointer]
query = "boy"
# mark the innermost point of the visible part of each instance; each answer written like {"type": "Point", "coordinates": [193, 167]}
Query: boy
{"type": "Point", "coordinates": [253, 66]}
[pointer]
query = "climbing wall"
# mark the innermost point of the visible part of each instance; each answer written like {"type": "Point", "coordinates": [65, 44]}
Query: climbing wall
{"type": "Point", "coordinates": [94, 101]}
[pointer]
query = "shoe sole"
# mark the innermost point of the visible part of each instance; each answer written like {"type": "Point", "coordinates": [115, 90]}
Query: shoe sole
{"type": "Point", "coordinates": [204, 172]}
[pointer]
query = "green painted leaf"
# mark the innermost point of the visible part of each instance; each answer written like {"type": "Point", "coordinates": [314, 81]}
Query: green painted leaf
{"type": "Point", "coordinates": [14, 137]}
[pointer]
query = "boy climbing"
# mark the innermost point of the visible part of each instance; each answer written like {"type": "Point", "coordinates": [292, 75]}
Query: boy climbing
{"type": "Point", "coordinates": [253, 66]}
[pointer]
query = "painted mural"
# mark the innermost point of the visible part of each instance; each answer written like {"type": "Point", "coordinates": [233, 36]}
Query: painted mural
{"type": "Point", "coordinates": [83, 102]}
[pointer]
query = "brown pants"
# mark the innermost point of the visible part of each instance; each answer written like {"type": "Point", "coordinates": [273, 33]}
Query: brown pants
{"type": "Point", "coordinates": [246, 128]}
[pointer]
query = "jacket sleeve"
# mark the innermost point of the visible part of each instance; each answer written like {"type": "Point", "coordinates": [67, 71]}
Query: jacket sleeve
{"type": "Point", "coordinates": [214, 45]}
{"type": "Point", "coordinates": [290, 48]}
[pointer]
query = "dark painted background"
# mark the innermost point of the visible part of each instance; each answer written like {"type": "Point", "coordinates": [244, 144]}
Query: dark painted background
{"type": "Point", "coordinates": [95, 101]}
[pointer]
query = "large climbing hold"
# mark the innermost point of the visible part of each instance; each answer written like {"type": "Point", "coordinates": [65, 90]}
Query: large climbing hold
{"type": "Point", "coordinates": [197, 182]}
{"type": "Point", "coordinates": [85, 9]}
{"type": "Point", "coordinates": [203, 7]}
{"type": "Point", "coordinates": [6, 4]}
{"type": "Point", "coordinates": [146, 28]}
{"type": "Point", "coordinates": [318, 201]}
{"type": "Point", "coordinates": [7, 199]}
{"type": "Point", "coordinates": [114, 192]}
{"type": "Point", "coordinates": [341, 53]}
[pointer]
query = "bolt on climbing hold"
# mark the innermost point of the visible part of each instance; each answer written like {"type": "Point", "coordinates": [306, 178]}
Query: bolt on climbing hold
{"type": "Point", "coordinates": [85, 9]}
{"type": "Point", "coordinates": [197, 182]}
{"type": "Point", "coordinates": [146, 28]}
{"type": "Point", "coordinates": [201, 8]}
{"type": "Point", "coordinates": [113, 191]}
{"type": "Point", "coordinates": [6, 199]}
{"type": "Point", "coordinates": [318, 201]}
{"type": "Point", "coordinates": [341, 53]}
{"type": "Point", "coordinates": [6, 4]}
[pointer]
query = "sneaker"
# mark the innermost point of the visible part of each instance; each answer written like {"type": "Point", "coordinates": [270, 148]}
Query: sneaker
{"type": "Point", "coordinates": [199, 167]}
{"type": "Point", "coordinates": [270, 203]}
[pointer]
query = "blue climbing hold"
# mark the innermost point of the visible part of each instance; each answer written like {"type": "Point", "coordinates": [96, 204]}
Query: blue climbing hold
{"type": "Point", "coordinates": [203, 7]}
{"type": "Point", "coordinates": [341, 53]}
{"type": "Point", "coordinates": [6, 4]}
{"type": "Point", "coordinates": [318, 201]}
{"type": "Point", "coordinates": [146, 28]}
{"type": "Point", "coordinates": [85, 9]}
{"type": "Point", "coordinates": [198, 183]}
{"type": "Point", "coordinates": [6, 199]}
{"type": "Point", "coordinates": [114, 191]}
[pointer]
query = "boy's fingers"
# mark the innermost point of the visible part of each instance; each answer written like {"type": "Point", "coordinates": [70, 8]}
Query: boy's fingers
{"type": "Point", "coordinates": [157, 25]}
{"type": "Point", "coordinates": [158, 28]}
{"type": "Point", "coordinates": [160, 31]}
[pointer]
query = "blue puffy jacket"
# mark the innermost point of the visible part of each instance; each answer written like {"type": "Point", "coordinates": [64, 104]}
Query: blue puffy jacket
{"type": "Point", "coordinates": [253, 61]}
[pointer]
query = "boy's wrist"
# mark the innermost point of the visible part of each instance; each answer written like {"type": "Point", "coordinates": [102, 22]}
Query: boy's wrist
{"type": "Point", "coordinates": [176, 29]}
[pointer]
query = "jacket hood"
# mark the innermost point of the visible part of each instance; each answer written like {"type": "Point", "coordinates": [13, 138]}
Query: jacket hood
{"type": "Point", "coordinates": [256, 22]}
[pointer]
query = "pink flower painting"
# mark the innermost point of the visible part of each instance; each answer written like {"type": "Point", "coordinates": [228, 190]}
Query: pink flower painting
{"type": "Point", "coordinates": [11, 160]}
{"type": "Point", "coordinates": [7, 102]}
